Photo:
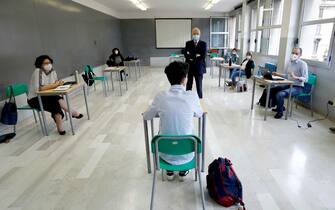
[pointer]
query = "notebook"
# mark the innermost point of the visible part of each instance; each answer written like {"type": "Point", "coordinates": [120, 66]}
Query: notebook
{"type": "Point", "coordinates": [62, 87]}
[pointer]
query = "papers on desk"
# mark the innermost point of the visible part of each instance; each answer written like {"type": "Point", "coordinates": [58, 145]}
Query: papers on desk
{"type": "Point", "coordinates": [62, 88]}
{"type": "Point", "coordinates": [217, 59]}
{"type": "Point", "coordinates": [277, 78]}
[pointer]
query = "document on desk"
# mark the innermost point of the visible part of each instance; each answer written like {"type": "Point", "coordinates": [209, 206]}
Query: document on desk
{"type": "Point", "coordinates": [62, 88]}
{"type": "Point", "coordinates": [277, 78]}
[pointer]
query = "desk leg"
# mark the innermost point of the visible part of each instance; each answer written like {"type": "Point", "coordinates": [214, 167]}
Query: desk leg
{"type": "Point", "coordinates": [152, 128]}
{"type": "Point", "coordinates": [224, 79]}
{"type": "Point", "coordinates": [86, 104]}
{"type": "Point", "coordinates": [253, 94]}
{"type": "Point", "coordinates": [220, 72]}
{"type": "Point", "coordinates": [146, 141]}
{"type": "Point", "coordinates": [212, 69]}
{"type": "Point", "coordinates": [267, 100]}
{"type": "Point", "coordinates": [70, 113]}
{"type": "Point", "coordinates": [112, 81]}
{"type": "Point", "coordinates": [199, 127]}
{"type": "Point", "coordinates": [203, 143]}
{"type": "Point", "coordinates": [125, 78]}
{"type": "Point", "coordinates": [289, 102]}
{"type": "Point", "coordinates": [120, 83]}
{"type": "Point", "coordinates": [43, 116]}
{"type": "Point", "coordinates": [135, 69]}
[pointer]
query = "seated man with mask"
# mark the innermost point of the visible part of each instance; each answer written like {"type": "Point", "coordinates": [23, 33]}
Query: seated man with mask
{"type": "Point", "coordinates": [297, 72]}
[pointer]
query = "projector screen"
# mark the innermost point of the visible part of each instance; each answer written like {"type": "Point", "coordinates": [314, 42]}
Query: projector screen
{"type": "Point", "coordinates": [172, 33]}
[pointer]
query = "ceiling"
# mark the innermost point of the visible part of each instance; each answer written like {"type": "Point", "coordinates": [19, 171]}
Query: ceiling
{"type": "Point", "coordinates": [164, 8]}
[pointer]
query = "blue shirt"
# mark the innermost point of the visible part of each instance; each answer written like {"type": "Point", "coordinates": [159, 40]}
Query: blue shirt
{"type": "Point", "coordinates": [300, 69]}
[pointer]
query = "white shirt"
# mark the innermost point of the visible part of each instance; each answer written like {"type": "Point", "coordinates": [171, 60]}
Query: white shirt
{"type": "Point", "coordinates": [244, 64]}
{"type": "Point", "coordinates": [40, 78]}
{"type": "Point", "coordinates": [176, 109]}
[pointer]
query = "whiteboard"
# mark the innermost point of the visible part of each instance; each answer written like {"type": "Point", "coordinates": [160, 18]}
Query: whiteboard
{"type": "Point", "coordinates": [172, 33]}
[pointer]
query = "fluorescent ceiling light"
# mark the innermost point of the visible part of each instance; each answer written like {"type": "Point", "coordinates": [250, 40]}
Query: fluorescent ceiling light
{"type": "Point", "coordinates": [210, 4]}
{"type": "Point", "coordinates": [267, 9]}
{"type": "Point", "coordinates": [139, 4]}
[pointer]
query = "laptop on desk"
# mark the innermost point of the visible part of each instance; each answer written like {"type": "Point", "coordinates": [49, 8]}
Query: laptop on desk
{"type": "Point", "coordinates": [268, 75]}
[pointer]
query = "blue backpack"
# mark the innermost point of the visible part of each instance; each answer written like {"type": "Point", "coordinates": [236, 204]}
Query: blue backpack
{"type": "Point", "coordinates": [223, 185]}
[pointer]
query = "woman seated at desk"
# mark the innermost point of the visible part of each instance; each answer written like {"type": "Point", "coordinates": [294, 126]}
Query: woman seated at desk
{"type": "Point", "coordinates": [246, 69]}
{"type": "Point", "coordinates": [116, 59]}
{"type": "Point", "coordinates": [45, 78]}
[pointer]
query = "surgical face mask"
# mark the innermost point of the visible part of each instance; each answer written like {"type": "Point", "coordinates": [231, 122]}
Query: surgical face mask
{"type": "Point", "coordinates": [116, 52]}
{"type": "Point", "coordinates": [47, 67]}
{"type": "Point", "coordinates": [248, 57]}
{"type": "Point", "coordinates": [234, 53]}
{"type": "Point", "coordinates": [294, 57]}
{"type": "Point", "coordinates": [196, 37]}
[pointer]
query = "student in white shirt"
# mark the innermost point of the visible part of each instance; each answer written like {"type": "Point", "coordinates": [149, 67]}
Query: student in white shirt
{"type": "Point", "coordinates": [176, 108]}
{"type": "Point", "coordinates": [45, 78]}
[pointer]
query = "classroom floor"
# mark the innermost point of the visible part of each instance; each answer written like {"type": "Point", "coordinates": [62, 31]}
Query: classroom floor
{"type": "Point", "coordinates": [103, 167]}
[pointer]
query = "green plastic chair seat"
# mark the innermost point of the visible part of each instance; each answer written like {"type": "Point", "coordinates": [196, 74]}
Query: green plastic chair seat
{"type": "Point", "coordinates": [185, 167]}
{"type": "Point", "coordinates": [303, 94]}
{"type": "Point", "coordinates": [102, 78]}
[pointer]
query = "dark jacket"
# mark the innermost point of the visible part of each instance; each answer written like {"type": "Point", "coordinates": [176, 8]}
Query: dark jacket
{"type": "Point", "coordinates": [197, 63]}
{"type": "Point", "coordinates": [250, 65]}
{"type": "Point", "coordinates": [115, 59]}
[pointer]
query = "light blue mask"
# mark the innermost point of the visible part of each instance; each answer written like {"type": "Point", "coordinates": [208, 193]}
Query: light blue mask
{"type": "Point", "coordinates": [196, 37]}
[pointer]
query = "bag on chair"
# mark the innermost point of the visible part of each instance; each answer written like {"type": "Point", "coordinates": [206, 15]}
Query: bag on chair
{"type": "Point", "coordinates": [9, 111]}
{"type": "Point", "coordinates": [88, 76]}
{"type": "Point", "coordinates": [223, 185]}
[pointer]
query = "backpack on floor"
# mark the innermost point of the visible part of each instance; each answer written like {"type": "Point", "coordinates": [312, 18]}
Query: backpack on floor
{"type": "Point", "coordinates": [241, 86]}
{"type": "Point", "coordinates": [262, 100]}
{"type": "Point", "coordinates": [223, 185]}
{"type": "Point", "coordinates": [88, 76]}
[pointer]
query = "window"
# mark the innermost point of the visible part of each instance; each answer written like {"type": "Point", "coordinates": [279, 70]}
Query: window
{"type": "Point", "coordinates": [317, 30]}
{"type": "Point", "coordinates": [239, 32]}
{"type": "Point", "coordinates": [268, 28]}
{"type": "Point", "coordinates": [219, 33]}
{"type": "Point", "coordinates": [253, 29]}
{"type": "Point", "coordinates": [232, 32]}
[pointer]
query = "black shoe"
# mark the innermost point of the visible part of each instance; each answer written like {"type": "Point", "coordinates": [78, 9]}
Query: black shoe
{"type": "Point", "coordinates": [79, 116]}
{"type": "Point", "coordinates": [62, 133]}
{"type": "Point", "coordinates": [279, 115]}
{"type": "Point", "coordinates": [170, 175]}
{"type": "Point", "coordinates": [182, 175]}
{"type": "Point", "coordinates": [229, 83]}
{"type": "Point", "coordinates": [276, 109]}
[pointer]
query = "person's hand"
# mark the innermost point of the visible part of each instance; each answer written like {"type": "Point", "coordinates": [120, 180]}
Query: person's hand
{"type": "Point", "coordinates": [293, 76]}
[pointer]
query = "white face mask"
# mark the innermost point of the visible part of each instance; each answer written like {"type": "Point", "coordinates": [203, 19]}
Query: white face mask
{"type": "Point", "coordinates": [196, 37]}
{"type": "Point", "coordinates": [294, 57]}
{"type": "Point", "coordinates": [116, 52]}
{"type": "Point", "coordinates": [47, 67]}
{"type": "Point", "coordinates": [248, 57]}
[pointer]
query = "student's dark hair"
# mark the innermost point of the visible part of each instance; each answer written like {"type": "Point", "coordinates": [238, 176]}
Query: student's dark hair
{"type": "Point", "coordinates": [234, 49]}
{"type": "Point", "coordinates": [176, 72]}
{"type": "Point", "coordinates": [249, 53]}
{"type": "Point", "coordinates": [115, 49]}
{"type": "Point", "coordinates": [39, 60]}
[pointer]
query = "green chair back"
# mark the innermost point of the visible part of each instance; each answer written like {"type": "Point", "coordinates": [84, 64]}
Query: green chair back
{"type": "Point", "coordinates": [213, 55]}
{"type": "Point", "coordinates": [312, 79]}
{"type": "Point", "coordinates": [88, 68]}
{"type": "Point", "coordinates": [173, 54]}
{"type": "Point", "coordinates": [18, 89]}
{"type": "Point", "coordinates": [175, 145]}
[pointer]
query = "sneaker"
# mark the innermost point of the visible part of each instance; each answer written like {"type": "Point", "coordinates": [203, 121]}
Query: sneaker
{"type": "Point", "coordinates": [279, 115]}
{"type": "Point", "coordinates": [182, 175]}
{"type": "Point", "coordinates": [170, 175]}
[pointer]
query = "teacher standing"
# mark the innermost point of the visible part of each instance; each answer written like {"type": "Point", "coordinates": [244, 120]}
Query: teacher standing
{"type": "Point", "coordinates": [195, 54]}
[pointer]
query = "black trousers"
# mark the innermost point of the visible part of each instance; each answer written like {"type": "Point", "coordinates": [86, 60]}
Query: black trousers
{"type": "Point", "coordinates": [198, 82]}
{"type": "Point", "coordinates": [50, 104]}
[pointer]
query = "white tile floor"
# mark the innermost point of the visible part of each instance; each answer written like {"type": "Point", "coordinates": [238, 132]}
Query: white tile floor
{"type": "Point", "coordinates": [103, 166]}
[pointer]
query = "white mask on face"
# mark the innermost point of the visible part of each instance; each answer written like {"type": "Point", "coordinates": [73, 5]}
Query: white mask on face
{"type": "Point", "coordinates": [294, 57]}
{"type": "Point", "coordinates": [248, 57]}
{"type": "Point", "coordinates": [196, 37]}
{"type": "Point", "coordinates": [116, 52]}
{"type": "Point", "coordinates": [47, 67]}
